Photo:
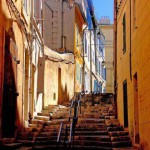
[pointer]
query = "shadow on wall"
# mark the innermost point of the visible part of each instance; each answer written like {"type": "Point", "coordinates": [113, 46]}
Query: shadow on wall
{"type": "Point", "coordinates": [63, 95]}
{"type": "Point", "coordinates": [10, 108]}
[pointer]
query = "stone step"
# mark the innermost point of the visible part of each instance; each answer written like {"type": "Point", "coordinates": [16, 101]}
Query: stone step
{"type": "Point", "coordinates": [44, 118]}
{"type": "Point", "coordinates": [122, 144]}
{"type": "Point", "coordinates": [110, 117]}
{"type": "Point", "coordinates": [118, 133]}
{"type": "Point", "coordinates": [119, 128]}
{"type": "Point", "coordinates": [59, 116]}
{"type": "Point", "coordinates": [33, 129]}
{"type": "Point", "coordinates": [36, 121]}
{"type": "Point", "coordinates": [7, 140]}
{"type": "Point", "coordinates": [91, 133]}
{"type": "Point", "coordinates": [43, 114]}
{"type": "Point", "coordinates": [35, 126]}
{"type": "Point", "coordinates": [112, 122]}
{"type": "Point", "coordinates": [56, 121]}
{"type": "Point", "coordinates": [26, 142]}
{"type": "Point", "coordinates": [95, 138]}
{"type": "Point", "coordinates": [24, 148]}
{"type": "Point", "coordinates": [90, 125]}
{"type": "Point", "coordinates": [90, 120]}
{"type": "Point", "coordinates": [125, 148]}
{"type": "Point", "coordinates": [91, 143]}
{"type": "Point", "coordinates": [11, 146]}
{"type": "Point", "coordinates": [91, 147]}
{"type": "Point", "coordinates": [120, 138]}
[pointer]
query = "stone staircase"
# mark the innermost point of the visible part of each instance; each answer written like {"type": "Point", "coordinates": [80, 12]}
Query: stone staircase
{"type": "Point", "coordinates": [96, 128]}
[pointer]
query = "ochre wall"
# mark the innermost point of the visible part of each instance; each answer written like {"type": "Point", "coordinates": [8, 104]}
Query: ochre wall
{"type": "Point", "coordinates": [52, 79]}
{"type": "Point", "coordinates": [78, 48]}
{"type": "Point", "coordinates": [109, 49]}
{"type": "Point", "coordinates": [7, 22]}
{"type": "Point", "coordinates": [140, 38]}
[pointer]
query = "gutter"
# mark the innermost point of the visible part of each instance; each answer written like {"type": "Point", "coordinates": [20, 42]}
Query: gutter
{"type": "Point", "coordinates": [82, 12]}
{"type": "Point", "coordinates": [130, 57]}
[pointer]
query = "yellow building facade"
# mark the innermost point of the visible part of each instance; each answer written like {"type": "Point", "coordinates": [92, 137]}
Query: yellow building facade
{"type": "Point", "coordinates": [14, 26]}
{"type": "Point", "coordinates": [107, 30]}
{"type": "Point", "coordinates": [78, 47]}
{"type": "Point", "coordinates": [132, 74]}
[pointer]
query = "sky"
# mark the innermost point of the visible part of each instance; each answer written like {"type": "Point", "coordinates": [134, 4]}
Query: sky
{"type": "Point", "coordinates": [104, 8]}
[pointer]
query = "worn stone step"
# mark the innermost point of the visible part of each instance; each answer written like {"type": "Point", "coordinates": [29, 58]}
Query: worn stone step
{"type": "Point", "coordinates": [43, 114]}
{"type": "Point", "coordinates": [91, 143]}
{"type": "Point", "coordinates": [35, 125]}
{"type": "Point", "coordinates": [122, 144]}
{"type": "Point", "coordinates": [120, 138]}
{"type": "Point", "coordinates": [110, 117]}
{"type": "Point", "coordinates": [44, 118]}
{"type": "Point", "coordinates": [56, 121]}
{"type": "Point", "coordinates": [119, 128]}
{"type": "Point", "coordinates": [90, 120]}
{"type": "Point", "coordinates": [118, 133]}
{"type": "Point", "coordinates": [59, 116]}
{"type": "Point", "coordinates": [33, 129]}
{"type": "Point", "coordinates": [125, 148]}
{"type": "Point", "coordinates": [91, 133]}
{"type": "Point", "coordinates": [95, 138]}
{"type": "Point", "coordinates": [11, 146]}
{"type": "Point", "coordinates": [90, 125]}
{"type": "Point", "coordinates": [79, 147]}
{"type": "Point", "coordinates": [24, 148]}
{"type": "Point", "coordinates": [26, 142]}
{"type": "Point", "coordinates": [112, 122]}
{"type": "Point", "coordinates": [36, 121]}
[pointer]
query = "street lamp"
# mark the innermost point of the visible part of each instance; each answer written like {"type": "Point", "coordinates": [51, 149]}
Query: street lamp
{"type": "Point", "coordinates": [70, 3]}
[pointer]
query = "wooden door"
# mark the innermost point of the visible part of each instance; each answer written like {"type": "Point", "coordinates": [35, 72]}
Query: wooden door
{"type": "Point", "coordinates": [136, 111]}
{"type": "Point", "coordinates": [9, 88]}
{"type": "Point", "coordinates": [125, 103]}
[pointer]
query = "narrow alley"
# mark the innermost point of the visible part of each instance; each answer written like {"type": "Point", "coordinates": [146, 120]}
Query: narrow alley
{"type": "Point", "coordinates": [74, 74]}
{"type": "Point", "coordinates": [87, 123]}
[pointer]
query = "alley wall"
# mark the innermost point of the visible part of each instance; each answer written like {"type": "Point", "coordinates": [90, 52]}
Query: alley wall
{"type": "Point", "coordinates": [58, 78]}
{"type": "Point", "coordinates": [133, 68]}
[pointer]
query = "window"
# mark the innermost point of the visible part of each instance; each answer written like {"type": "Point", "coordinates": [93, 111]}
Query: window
{"type": "Point", "coordinates": [124, 33]}
{"type": "Point", "coordinates": [88, 52]}
{"type": "Point", "coordinates": [85, 50]}
{"type": "Point", "coordinates": [25, 5]}
{"type": "Point", "coordinates": [77, 36]}
{"type": "Point", "coordinates": [134, 14]}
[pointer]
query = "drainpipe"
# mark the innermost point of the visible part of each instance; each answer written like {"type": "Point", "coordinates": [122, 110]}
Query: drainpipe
{"type": "Point", "coordinates": [83, 68]}
{"type": "Point", "coordinates": [62, 18]}
{"type": "Point", "coordinates": [115, 57]}
{"type": "Point", "coordinates": [90, 63]}
{"type": "Point", "coordinates": [130, 57]}
{"type": "Point", "coordinates": [30, 63]}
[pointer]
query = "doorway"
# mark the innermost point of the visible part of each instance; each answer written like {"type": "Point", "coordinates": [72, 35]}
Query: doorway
{"type": "Point", "coordinates": [9, 88]}
{"type": "Point", "coordinates": [26, 89]}
{"type": "Point", "coordinates": [136, 110]}
{"type": "Point", "coordinates": [125, 103]}
{"type": "Point", "coordinates": [59, 87]}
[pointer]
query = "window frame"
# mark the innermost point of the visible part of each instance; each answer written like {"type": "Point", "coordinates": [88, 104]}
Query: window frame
{"type": "Point", "coordinates": [124, 33]}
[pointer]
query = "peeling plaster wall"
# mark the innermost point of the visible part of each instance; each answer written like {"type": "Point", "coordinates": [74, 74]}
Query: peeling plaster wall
{"type": "Point", "coordinates": [52, 94]}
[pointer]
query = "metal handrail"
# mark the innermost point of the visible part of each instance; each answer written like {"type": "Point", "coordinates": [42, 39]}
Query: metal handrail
{"type": "Point", "coordinates": [70, 137]}
{"type": "Point", "coordinates": [79, 101]}
{"type": "Point", "coordinates": [72, 102]}
{"type": "Point", "coordinates": [75, 118]}
{"type": "Point", "coordinates": [59, 133]}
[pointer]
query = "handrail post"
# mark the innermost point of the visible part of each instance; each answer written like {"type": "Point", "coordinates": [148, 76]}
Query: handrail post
{"type": "Point", "coordinates": [59, 133]}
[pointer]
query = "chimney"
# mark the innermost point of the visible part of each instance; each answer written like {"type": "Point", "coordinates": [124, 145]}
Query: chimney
{"type": "Point", "coordinates": [104, 20]}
